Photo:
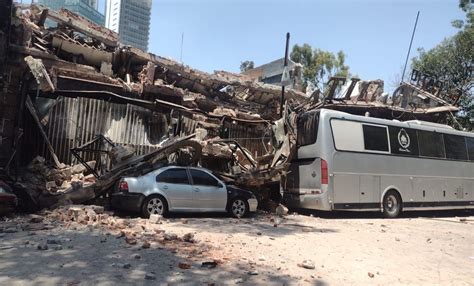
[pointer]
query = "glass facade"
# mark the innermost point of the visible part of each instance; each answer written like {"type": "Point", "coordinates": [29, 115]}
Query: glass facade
{"type": "Point", "coordinates": [135, 23]}
{"type": "Point", "coordinates": [80, 7]}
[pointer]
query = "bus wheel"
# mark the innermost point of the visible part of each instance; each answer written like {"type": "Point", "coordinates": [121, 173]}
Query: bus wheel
{"type": "Point", "coordinates": [392, 204]}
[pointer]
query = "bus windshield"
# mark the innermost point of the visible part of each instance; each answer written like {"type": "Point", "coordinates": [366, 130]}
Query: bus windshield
{"type": "Point", "coordinates": [307, 128]}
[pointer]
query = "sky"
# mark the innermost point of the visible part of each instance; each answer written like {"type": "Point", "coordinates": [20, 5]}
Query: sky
{"type": "Point", "coordinates": [374, 34]}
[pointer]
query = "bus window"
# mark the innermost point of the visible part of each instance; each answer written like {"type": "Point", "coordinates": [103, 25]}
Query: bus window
{"type": "Point", "coordinates": [347, 135]}
{"type": "Point", "coordinates": [431, 144]}
{"type": "Point", "coordinates": [455, 147]}
{"type": "Point", "coordinates": [307, 132]}
{"type": "Point", "coordinates": [403, 141]}
{"type": "Point", "coordinates": [470, 147]}
{"type": "Point", "coordinates": [375, 138]}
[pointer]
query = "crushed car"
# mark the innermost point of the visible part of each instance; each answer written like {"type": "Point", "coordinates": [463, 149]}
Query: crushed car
{"type": "Point", "coordinates": [181, 189]}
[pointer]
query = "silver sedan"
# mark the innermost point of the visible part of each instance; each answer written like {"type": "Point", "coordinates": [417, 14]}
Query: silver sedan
{"type": "Point", "coordinates": [181, 189]}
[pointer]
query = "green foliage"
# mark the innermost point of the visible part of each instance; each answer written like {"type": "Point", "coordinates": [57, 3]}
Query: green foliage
{"type": "Point", "coordinates": [319, 65]}
{"type": "Point", "coordinates": [246, 65]}
{"type": "Point", "coordinates": [452, 61]}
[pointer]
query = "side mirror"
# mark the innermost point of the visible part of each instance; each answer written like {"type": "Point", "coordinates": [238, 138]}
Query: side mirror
{"type": "Point", "coordinates": [220, 185]}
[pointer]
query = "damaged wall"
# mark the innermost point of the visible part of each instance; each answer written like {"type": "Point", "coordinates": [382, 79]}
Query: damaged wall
{"type": "Point", "coordinates": [72, 122]}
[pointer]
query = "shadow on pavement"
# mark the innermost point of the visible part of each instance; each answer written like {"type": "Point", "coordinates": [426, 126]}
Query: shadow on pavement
{"type": "Point", "coordinates": [375, 215]}
{"type": "Point", "coordinates": [84, 258]}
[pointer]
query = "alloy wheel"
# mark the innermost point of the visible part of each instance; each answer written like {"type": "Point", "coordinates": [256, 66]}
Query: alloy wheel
{"type": "Point", "coordinates": [238, 208]}
{"type": "Point", "coordinates": [155, 206]}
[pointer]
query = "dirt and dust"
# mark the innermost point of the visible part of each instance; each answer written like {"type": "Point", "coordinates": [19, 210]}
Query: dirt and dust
{"type": "Point", "coordinates": [88, 246]}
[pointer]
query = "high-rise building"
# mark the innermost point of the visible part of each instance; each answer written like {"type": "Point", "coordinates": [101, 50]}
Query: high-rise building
{"type": "Point", "coordinates": [131, 20]}
{"type": "Point", "coordinates": [85, 8]}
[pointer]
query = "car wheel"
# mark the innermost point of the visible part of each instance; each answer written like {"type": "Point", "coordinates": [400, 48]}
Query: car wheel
{"type": "Point", "coordinates": [239, 207]}
{"type": "Point", "coordinates": [154, 205]}
{"type": "Point", "coordinates": [392, 204]}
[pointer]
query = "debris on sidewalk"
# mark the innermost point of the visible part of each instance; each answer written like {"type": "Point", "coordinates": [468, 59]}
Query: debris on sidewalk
{"type": "Point", "coordinates": [308, 264]}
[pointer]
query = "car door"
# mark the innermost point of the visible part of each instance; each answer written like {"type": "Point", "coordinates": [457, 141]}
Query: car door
{"type": "Point", "coordinates": [208, 192]}
{"type": "Point", "coordinates": [175, 184]}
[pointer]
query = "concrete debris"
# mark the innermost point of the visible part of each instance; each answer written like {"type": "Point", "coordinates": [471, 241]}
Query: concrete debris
{"type": "Point", "coordinates": [184, 265]}
{"type": "Point", "coordinates": [120, 154]}
{"type": "Point", "coordinates": [170, 236]}
{"type": "Point", "coordinates": [134, 233]}
{"type": "Point", "coordinates": [150, 276]}
{"type": "Point", "coordinates": [189, 237]}
{"type": "Point", "coordinates": [130, 240]}
{"type": "Point", "coordinates": [42, 247]}
{"type": "Point", "coordinates": [281, 210]}
{"type": "Point", "coordinates": [308, 264]}
{"type": "Point", "coordinates": [36, 218]}
{"type": "Point", "coordinates": [155, 218]}
{"type": "Point", "coordinates": [146, 245]}
{"type": "Point", "coordinates": [209, 264]}
{"type": "Point", "coordinates": [126, 266]}
{"type": "Point", "coordinates": [53, 241]}
{"type": "Point", "coordinates": [39, 72]}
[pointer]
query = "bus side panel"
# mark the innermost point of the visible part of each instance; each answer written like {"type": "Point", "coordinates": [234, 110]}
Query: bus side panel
{"type": "Point", "coordinates": [369, 190]}
{"type": "Point", "coordinates": [459, 189]}
{"type": "Point", "coordinates": [469, 189]}
{"type": "Point", "coordinates": [346, 189]}
{"type": "Point", "coordinates": [402, 184]}
{"type": "Point", "coordinates": [429, 189]}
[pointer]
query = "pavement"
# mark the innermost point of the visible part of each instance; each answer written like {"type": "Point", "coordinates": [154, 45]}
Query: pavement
{"type": "Point", "coordinates": [427, 248]}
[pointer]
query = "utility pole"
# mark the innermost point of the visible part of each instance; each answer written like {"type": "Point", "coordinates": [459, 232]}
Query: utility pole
{"type": "Point", "coordinates": [409, 48]}
{"type": "Point", "coordinates": [282, 100]}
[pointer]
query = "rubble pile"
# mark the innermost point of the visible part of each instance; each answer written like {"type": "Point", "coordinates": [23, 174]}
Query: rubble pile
{"type": "Point", "coordinates": [140, 232]}
{"type": "Point", "coordinates": [57, 55]}
{"type": "Point", "coordinates": [44, 183]}
{"type": "Point", "coordinates": [57, 180]}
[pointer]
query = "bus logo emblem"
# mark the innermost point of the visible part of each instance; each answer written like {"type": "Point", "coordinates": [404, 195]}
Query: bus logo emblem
{"type": "Point", "coordinates": [403, 138]}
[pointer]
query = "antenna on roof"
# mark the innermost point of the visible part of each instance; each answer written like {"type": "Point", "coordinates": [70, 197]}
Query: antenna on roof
{"type": "Point", "coordinates": [181, 55]}
{"type": "Point", "coordinates": [409, 48]}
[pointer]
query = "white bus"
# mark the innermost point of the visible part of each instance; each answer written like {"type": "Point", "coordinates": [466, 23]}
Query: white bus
{"type": "Point", "coordinates": [349, 162]}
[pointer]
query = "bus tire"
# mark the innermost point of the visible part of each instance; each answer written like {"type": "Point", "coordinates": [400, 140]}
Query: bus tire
{"type": "Point", "coordinates": [392, 204]}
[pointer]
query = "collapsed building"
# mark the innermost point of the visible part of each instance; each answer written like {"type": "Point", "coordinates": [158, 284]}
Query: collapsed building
{"type": "Point", "coordinates": [74, 95]}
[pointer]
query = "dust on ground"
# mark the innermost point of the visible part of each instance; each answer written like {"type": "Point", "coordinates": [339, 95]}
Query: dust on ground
{"type": "Point", "coordinates": [214, 249]}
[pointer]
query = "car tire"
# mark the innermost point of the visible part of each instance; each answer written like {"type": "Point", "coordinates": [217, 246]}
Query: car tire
{"type": "Point", "coordinates": [154, 204]}
{"type": "Point", "coordinates": [238, 207]}
{"type": "Point", "coordinates": [392, 204]}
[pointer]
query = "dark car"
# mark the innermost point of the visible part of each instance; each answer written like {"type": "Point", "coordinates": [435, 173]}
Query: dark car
{"type": "Point", "coordinates": [181, 189]}
{"type": "Point", "coordinates": [8, 200]}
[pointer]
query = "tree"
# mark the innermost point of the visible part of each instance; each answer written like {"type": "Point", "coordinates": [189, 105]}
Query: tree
{"type": "Point", "coordinates": [246, 65]}
{"type": "Point", "coordinates": [319, 65]}
{"type": "Point", "coordinates": [452, 62]}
